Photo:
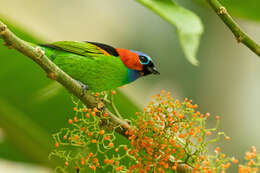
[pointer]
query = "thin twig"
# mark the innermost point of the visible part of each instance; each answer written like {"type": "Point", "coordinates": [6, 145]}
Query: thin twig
{"type": "Point", "coordinates": [114, 106]}
{"type": "Point", "coordinates": [240, 35]}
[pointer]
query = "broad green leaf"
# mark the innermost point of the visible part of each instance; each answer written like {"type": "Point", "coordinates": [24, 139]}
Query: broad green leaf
{"type": "Point", "coordinates": [245, 9]}
{"type": "Point", "coordinates": [188, 24]}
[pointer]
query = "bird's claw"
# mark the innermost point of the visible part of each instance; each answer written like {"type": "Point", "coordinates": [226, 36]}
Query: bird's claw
{"type": "Point", "coordinates": [84, 88]}
{"type": "Point", "coordinates": [128, 121]}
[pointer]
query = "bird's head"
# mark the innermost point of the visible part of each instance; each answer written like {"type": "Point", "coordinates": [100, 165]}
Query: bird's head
{"type": "Point", "coordinates": [137, 61]}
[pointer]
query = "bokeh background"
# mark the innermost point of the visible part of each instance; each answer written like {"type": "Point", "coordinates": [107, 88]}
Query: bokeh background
{"type": "Point", "coordinates": [226, 83]}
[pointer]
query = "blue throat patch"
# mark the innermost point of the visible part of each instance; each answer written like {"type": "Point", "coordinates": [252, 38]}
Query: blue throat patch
{"type": "Point", "coordinates": [133, 75]}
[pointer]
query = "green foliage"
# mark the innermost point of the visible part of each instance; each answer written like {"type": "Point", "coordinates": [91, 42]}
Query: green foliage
{"type": "Point", "coordinates": [188, 25]}
{"type": "Point", "coordinates": [18, 129]}
{"type": "Point", "coordinates": [245, 9]}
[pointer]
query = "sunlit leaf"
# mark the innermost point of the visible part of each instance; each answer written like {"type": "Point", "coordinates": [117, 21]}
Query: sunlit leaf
{"type": "Point", "coordinates": [188, 24]}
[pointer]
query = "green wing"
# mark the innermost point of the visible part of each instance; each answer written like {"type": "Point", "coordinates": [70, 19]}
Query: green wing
{"type": "Point", "coordinates": [80, 48]}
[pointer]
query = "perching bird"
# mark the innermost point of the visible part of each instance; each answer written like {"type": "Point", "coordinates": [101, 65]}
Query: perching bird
{"type": "Point", "coordinates": [99, 66]}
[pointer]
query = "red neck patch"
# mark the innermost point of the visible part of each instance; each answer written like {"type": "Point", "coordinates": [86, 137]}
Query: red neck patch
{"type": "Point", "coordinates": [130, 59]}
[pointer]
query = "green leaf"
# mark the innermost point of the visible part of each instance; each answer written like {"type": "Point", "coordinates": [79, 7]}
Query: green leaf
{"type": "Point", "coordinates": [244, 9]}
{"type": "Point", "coordinates": [188, 24]}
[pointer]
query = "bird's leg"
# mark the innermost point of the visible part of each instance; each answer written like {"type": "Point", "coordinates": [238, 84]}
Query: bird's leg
{"type": "Point", "coordinates": [128, 121]}
{"type": "Point", "coordinates": [84, 88]}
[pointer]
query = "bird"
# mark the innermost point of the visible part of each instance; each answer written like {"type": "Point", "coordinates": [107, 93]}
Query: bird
{"type": "Point", "coordinates": [99, 67]}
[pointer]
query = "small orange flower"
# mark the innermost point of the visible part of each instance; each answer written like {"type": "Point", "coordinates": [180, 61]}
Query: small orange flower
{"type": "Point", "coordinates": [76, 137]}
{"type": "Point", "coordinates": [82, 161]}
{"type": "Point", "coordinates": [90, 134]}
{"type": "Point", "coordinates": [235, 161]}
{"type": "Point", "coordinates": [111, 144]}
{"type": "Point", "coordinates": [106, 161]}
{"type": "Point", "coordinates": [208, 133]}
{"type": "Point", "coordinates": [105, 114]}
{"type": "Point", "coordinates": [92, 167]}
{"type": "Point", "coordinates": [111, 161]}
{"type": "Point", "coordinates": [195, 106]}
{"type": "Point", "coordinates": [91, 154]}
{"type": "Point", "coordinates": [251, 163]}
{"type": "Point", "coordinates": [102, 132]}
{"type": "Point", "coordinates": [253, 149]}
{"type": "Point", "coordinates": [217, 150]}
{"type": "Point", "coordinates": [95, 109]}
{"type": "Point", "coordinates": [70, 121]}
{"type": "Point", "coordinates": [227, 138]}
{"type": "Point", "coordinates": [174, 167]}
{"type": "Point", "coordinates": [206, 163]}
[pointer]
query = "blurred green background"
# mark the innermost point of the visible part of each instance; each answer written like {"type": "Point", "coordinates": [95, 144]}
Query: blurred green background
{"type": "Point", "coordinates": [226, 83]}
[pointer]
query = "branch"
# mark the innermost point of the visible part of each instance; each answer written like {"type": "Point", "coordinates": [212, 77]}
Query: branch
{"type": "Point", "coordinates": [240, 35]}
{"type": "Point", "coordinates": [55, 73]}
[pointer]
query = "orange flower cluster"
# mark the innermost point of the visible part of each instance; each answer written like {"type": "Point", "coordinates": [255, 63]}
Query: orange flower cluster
{"type": "Point", "coordinates": [253, 162]}
{"type": "Point", "coordinates": [170, 133]}
{"type": "Point", "coordinates": [84, 133]}
{"type": "Point", "coordinates": [167, 136]}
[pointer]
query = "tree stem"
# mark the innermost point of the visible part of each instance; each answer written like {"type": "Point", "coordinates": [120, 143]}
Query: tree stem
{"type": "Point", "coordinates": [240, 35]}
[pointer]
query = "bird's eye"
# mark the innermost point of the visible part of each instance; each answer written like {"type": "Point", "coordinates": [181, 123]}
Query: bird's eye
{"type": "Point", "coordinates": [143, 59]}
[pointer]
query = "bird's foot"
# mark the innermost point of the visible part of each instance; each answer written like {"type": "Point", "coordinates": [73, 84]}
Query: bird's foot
{"type": "Point", "coordinates": [128, 121]}
{"type": "Point", "coordinates": [84, 88]}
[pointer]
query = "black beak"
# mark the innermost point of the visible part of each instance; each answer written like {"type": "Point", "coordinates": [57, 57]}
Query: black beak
{"type": "Point", "coordinates": [153, 70]}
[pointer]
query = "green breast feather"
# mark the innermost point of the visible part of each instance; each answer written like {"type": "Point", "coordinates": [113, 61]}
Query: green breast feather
{"type": "Point", "coordinates": [98, 71]}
